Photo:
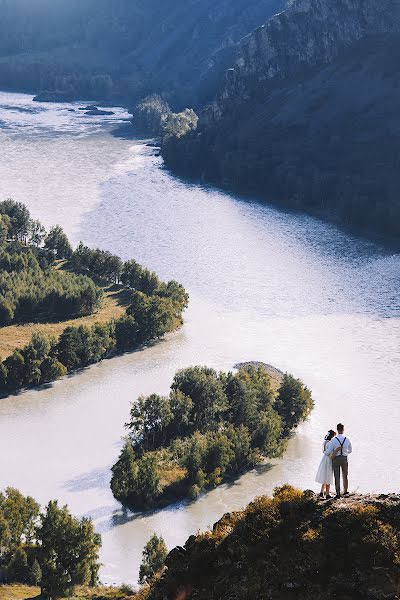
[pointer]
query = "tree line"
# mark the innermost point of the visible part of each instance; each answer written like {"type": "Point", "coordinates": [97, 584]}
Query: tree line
{"type": "Point", "coordinates": [30, 286]}
{"type": "Point", "coordinates": [29, 283]}
{"type": "Point", "coordinates": [49, 548]}
{"type": "Point", "coordinates": [212, 426]}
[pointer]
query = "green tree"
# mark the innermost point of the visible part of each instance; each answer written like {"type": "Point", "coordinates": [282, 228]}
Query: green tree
{"type": "Point", "coordinates": [35, 573]}
{"type": "Point", "coordinates": [126, 333]}
{"type": "Point", "coordinates": [154, 554]}
{"type": "Point", "coordinates": [57, 242]}
{"type": "Point", "coordinates": [206, 390]}
{"type": "Point", "coordinates": [36, 233]}
{"type": "Point", "coordinates": [4, 229]}
{"type": "Point", "coordinates": [124, 474]}
{"type": "Point", "coordinates": [294, 402]}
{"type": "Point", "coordinates": [17, 569]}
{"type": "Point", "coordinates": [150, 418]}
{"type": "Point", "coordinates": [19, 218]}
{"type": "Point", "coordinates": [3, 377]}
{"type": "Point", "coordinates": [15, 366]}
{"type": "Point", "coordinates": [51, 369]}
{"type": "Point", "coordinates": [21, 514]}
{"type": "Point", "coordinates": [148, 479]}
{"type": "Point", "coordinates": [69, 551]}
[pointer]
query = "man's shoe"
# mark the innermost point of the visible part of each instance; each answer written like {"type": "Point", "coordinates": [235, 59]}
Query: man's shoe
{"type": "Point", "coordinates": [337, 496]}
{"type": "Point", "coordinates": [328, 497]}
{"type": "Point", "coordinates": [346, 494]}
{"type": "Point", "coordinates": [321, 494]}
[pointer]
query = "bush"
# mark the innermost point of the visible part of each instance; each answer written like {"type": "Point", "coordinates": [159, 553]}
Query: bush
{"type": "Point", "coordinates": [154, 554]}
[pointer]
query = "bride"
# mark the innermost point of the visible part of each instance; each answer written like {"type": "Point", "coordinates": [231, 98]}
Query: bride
{"type": "Point", "coordinates": [325, 469]}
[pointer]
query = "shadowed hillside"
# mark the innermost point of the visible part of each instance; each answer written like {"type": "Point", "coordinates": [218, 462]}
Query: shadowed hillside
{"type": "Point", "coordinates": [124, 48]}
{"type": "Point", "coordinates": [308, 115]}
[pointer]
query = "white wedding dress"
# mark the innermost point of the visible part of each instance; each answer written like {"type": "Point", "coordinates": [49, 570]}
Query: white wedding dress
{"type": "Point", "coordinates": [325, 469]}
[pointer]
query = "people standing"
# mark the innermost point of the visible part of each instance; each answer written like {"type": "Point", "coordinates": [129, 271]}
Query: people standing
{"type": "Point", "coordinates": [325, 470]}
{"type": "Point", "coordinates": [339, 448]}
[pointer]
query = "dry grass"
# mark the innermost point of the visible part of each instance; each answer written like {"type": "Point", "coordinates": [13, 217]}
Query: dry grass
{"type": "Point", "coordinates": [26, 592]}
{"type": "Point", "coordinates": [172, 473]}
{"type": "Point", "coordinates": [17, 336]}
{"type": "Point", "coordinates": [18, 592]}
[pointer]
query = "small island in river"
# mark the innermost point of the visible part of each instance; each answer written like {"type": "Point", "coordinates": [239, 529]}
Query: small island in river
{"type": "Point", "coordinates": [212, 427]}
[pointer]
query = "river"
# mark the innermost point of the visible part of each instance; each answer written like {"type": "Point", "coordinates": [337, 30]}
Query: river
{"type": "Point", "coordinates": [264, 284]}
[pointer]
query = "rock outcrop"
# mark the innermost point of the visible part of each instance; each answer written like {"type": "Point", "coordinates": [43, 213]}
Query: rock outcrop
{"type": "Point", "coordinates": [293, 546]}
{"type": "Point", "coordinates": [308, 114]}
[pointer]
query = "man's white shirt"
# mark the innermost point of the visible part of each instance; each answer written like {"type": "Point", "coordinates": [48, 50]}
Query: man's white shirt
{"type": "Point", "coordinates": [334, 444]}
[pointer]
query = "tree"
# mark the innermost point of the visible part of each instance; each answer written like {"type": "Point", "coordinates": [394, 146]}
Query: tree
{"type": "Point", "coordinates": [35, 573]}
{"type": "Point", "coordinates": [21, 514]}
{"type": "Point", "coordinates": [148, 479]}
{"type": "Point", "coordinates": [154, 554]}
{"type": "Point", "coordinates": [150, 417]}
{"type": "Point", "coordinates": [126, 333]}
{"type": "Point", "coordinates": [51, 369]}
{"type": "Point", "coordinates": [4, 228]}
{"type": "Point", "coordinates": [3, 377]}
{"type": "Point", "coordinates": [206, 390]}
{"type": "Point", "coordinates": [178, 125]}
{"type": "Point", "coordinates": [124, 474]}
{"type": "Point", "coordinates": [15, 366]}
{"type": "Point", "coordinates": [18, 566]}
{"type": "Point", "coordinates": [36, 232]}
{"type": "Point", "coordinates": [19, 218]}
{"type": "Point", "coordinates": [294, 402]}
{"type": "Point", "coordinates": [57, 242]}
{"type": "Point", "coordinates": [69, 551]}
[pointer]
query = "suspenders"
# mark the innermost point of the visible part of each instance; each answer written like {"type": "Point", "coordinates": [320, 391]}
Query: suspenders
{"type": "Point", "coordinates": [341, 445]}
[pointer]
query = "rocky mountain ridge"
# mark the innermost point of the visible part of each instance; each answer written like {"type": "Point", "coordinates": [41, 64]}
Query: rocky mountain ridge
{"type": "Point", "coordinates": [308, 115]}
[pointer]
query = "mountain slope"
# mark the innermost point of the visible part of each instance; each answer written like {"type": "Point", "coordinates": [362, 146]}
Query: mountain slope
{"type": "Point", "coordinates": [308, 116]}
{"type": "Point", "coordinates": [291, 547]}
{"type": "Point", "coordinates": [125, 47]}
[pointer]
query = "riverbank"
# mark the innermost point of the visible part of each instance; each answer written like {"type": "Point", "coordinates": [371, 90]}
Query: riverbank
{"type": "Point", "coordinates": [113, 305]}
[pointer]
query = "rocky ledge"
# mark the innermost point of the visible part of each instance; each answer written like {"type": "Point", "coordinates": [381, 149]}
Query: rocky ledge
{"type": "Point", "coordinates": [291, 546]}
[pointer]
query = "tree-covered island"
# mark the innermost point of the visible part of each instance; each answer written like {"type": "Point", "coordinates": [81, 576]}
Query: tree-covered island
{"type": "Point", "coordinates": [44, 281]}
{"type": "Point", "coordinates": [210, 428]}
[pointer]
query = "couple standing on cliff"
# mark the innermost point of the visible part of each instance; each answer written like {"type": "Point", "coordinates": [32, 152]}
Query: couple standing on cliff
{"type": "Point", "coordinates": [334, 462]}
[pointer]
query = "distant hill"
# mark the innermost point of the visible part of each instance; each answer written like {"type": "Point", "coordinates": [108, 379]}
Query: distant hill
{"type": "Point", "coordinates": [124, 48]}
{"type": "Point", "coordinates": [308, 115]}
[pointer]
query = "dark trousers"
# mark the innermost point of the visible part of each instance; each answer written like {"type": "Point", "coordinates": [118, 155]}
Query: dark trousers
{"type": "Point", "coordinates": [340, 464]}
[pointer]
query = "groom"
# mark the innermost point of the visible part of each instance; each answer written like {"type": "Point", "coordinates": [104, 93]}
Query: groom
{"type": "Point", "coordinates": [339, 448]}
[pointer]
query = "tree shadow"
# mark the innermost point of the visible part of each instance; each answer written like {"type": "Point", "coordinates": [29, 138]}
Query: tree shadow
{"type": "Point", "coordinates": [96, 479]}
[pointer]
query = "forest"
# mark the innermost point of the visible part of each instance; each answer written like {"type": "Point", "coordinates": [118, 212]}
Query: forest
{"type": "Point", "coordinates": [42, 278]}
{"type": "Point", "coordinates": [49, 547]}
{"type": "Point", "coordinates": [211, 427]}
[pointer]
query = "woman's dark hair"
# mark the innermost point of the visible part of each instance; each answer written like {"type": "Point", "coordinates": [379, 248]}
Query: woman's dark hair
{"type": "Point", "coordinates": [330, 435]}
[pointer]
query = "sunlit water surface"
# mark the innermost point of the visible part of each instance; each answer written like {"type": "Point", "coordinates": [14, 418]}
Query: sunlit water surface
{"type": "Point", "coordinates": [264, 285]}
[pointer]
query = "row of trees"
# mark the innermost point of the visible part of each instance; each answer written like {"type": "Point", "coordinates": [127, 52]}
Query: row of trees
{"type": "Point", "coordinates": [210, 427]}
{"type": "Point", "coordinates": [45, 360]}
{"type": "Point", "coordinates": [49, 548]}
{"type": "Point", "coordinates": [29, 285]}
{"type": "Point", "coordinates": [31, 288]}
{"type": "Point", "coordinates": [29, 292]}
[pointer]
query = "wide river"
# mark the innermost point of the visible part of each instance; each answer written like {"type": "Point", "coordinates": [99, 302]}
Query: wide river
{"type": "Point", "coordinates": [264, 285]}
